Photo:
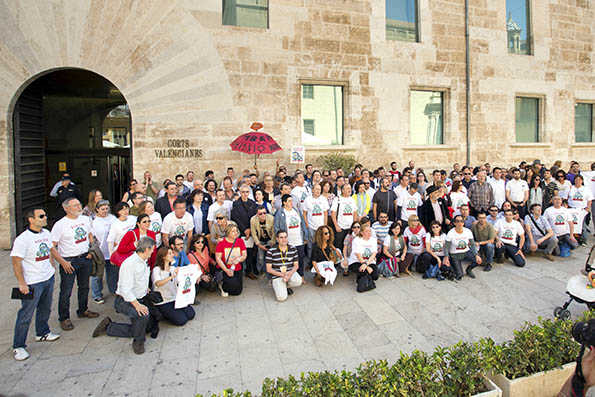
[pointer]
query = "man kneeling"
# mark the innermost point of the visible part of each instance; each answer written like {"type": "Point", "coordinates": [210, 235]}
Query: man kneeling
{"type": "Point", "coordinates": [282, 264]}
{"type": "Point", "coordinates": [132, 287]}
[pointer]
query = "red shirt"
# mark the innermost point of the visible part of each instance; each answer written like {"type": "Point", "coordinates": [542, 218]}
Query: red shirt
{"type": "Point", "coordinates": [224, 247]}
{"type": "Point", "coordinates": [127, 247]}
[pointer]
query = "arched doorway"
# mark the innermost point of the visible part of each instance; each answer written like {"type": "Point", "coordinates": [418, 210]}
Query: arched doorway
{"type": "Point", "coordinates": [75, 121]}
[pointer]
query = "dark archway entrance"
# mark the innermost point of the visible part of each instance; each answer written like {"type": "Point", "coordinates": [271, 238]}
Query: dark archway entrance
{"type": "Point", "coordinates": [70, 120]}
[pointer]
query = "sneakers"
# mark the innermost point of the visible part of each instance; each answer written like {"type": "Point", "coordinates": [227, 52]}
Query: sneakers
{"type": "Point", "coordinates": [20, 354]}
{"type": "Point", "coordinates": [49, 337]}
{"type": "Point", "coordinates": [101, 327]}
{"type": "Point", "coordinates": [99, 301]}
{"type": "Point", "coordinates": [487, 267]}
{"type": "Point", "coordinates": [138, 347]}
{"type": "Point", "coordinates": [223, 293]}
{"type": "Point", "coordinates": [469, 272]}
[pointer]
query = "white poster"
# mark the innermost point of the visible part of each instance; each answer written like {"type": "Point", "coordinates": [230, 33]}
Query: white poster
{"type": "Point", "coordinates": [187, 276]}
{"type": "Point", "coordinates": [298, 155]}
{"type": "Point", "coordinates": [589, 177]}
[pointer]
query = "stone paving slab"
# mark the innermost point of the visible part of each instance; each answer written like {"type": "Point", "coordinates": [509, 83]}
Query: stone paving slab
{"type": "Point", "coordinates": [238, 341]}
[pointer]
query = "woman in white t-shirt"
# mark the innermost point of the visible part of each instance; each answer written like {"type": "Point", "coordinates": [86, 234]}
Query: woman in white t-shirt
{"type": "Point", "coordinates": [435, 248]}
{"type": "Point", "coordinates": [414, 236]}
{"type": "Point", "coordinates": [147, 207]}
{"type": "Point", "coordinates": [120, 226]}
{"type": "Point", "coordinates": [363, 254]}
{"type": "Point", "coordinates": [101, 226]}
{"type": "Point", "coordinates": [563, 184]}
{"type": "Point", "coordinates": [458, 198]}
{"type": "Point", "coordinates": [163, 277]}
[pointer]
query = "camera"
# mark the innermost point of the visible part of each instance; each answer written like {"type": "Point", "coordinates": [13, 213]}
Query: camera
{"type": "Point", "coordinates": [584, 332]}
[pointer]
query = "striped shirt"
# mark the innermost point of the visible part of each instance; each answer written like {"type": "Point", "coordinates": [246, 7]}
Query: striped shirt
{"type": "Point", "coordinates": [381, 231]}
{"type": "Point", "coordinates": [279, 259]}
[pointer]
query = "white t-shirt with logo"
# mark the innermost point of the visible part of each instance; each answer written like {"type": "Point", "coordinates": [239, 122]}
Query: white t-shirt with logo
{"type": "Point", "coordinates": [299, 194]}
{"type": "Point", "coordinates": [72, 235]}
{"type": "Point", "coordinates": [118, 230]}
{"type": "Point", "coordinates": [34, 249]}
{"type": "Point", "coordinates": [499, 189]}
{"type": "Point", "coordinates": [315, 209]}
{"type": "Point", "coordinates": [564, 188]}
{"type": "Point", "coordinates": [589, 181]}
{"type": "Point", "coordinates": [215, 207]}
{"type": "Point", "coordinates": [174, 226]}
{"type": "Point", "coordinates": [458, 199]}
{"type": "Point", "coordinates": [415, 241]}
{"type": "Point", "coordinates": [294, 228]}
{"type": "Point", "coordinates": [558, 219]}
{"type": "Point", "coordinates": [517, 189]}
{"type": "Point", "coordinates": [346, 210]}
{"type": "Point", "coordinates": [156, 223]}
{"type": "Point", "coordinates": [366, 248]}
{"type": "Point", "coordinates": [409, 204]}
{"type": "Point", "coordinates": [579, 197]}
{"type": "Point", "coordinates": [101, 228]}
{"type": "Point", "coordinates": [577, 216]}
{"type": "Point", "coordinates": [459, 242]}
{"type": "Point", "coordinates": [508, 231]}
{"type": "Point", "coordinates": [437, 243]}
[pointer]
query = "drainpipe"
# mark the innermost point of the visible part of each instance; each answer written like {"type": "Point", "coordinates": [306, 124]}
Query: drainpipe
{"type": "Point", "coordinates": [467, 83]}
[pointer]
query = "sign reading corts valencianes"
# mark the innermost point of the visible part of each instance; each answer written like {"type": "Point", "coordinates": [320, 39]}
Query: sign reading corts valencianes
{"type": "Point", "coordinates": [178, 148]}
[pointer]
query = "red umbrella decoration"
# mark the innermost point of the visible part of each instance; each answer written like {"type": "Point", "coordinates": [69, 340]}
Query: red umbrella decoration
{"type": "Point", "coordinates": [255, 142]}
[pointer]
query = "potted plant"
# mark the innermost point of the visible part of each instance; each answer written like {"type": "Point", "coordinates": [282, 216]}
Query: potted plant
{"type": "Point", "coordinates": [536, 361]}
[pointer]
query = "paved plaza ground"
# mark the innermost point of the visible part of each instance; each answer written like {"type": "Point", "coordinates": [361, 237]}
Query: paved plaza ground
{"type": "Point", "coordinates": [238, 341]}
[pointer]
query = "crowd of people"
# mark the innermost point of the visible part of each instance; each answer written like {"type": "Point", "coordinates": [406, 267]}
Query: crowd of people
{"type": "Point", "coordinates": [164, 244]}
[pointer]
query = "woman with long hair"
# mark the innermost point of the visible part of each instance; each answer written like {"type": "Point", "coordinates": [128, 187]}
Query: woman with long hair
{"type": "Point", "coordinates": [363, 254]}
{"type": "Point", "coordinates": [198, 208]}
{"type": "Point", "coordinates": [327, 192]}
{"type": "Point", "coordinates": [347, 245]}
{"type": "Point", "coordinates": [325, 256]}
{"type": "Point", "coordinates": [163, 277]}
{"type": "Point", "coordinates": [422, 183]}
{"type": "Point", "coordinates": [128, 243]}
{"type": "Point", "coordinates": [535, 191]}
{"type": "Point", "coordinates": [363, 201]}
{"type": "Point", "coordinates": [563, 184]}
{"type": "Point", "coordinates": [435, 248]}
{"type": "Point", "coordinates": [458, 198]}
{"type": "Point", "coordinates": [95, 197]}
{"type": "Point", "coordinates": [260, 201]}
{"type": "Point", "coordinates": [123, 223]}
{"type": "Point", "coordinates": [147, 207]}
{"type": "Point", "coordinates": [394, 250]}
{"type": "Point", "coordinates": [198, 254]}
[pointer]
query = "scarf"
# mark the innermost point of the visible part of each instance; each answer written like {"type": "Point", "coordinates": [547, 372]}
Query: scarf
{"type": "Point", "coordinates": [362, 202]}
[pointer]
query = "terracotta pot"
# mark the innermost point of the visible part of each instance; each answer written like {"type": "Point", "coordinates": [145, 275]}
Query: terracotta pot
{"type": "Point", "coordinates": [541, 384]}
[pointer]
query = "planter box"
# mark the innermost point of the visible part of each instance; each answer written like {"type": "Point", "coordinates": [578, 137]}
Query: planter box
{"type": "Point", "coordinates": [542, 384]}
{"type": "Point", "coordinates": [493, 390]}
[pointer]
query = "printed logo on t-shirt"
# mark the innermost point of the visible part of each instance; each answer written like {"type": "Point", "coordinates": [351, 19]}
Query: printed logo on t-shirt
{"type": "Point", "coordinates": [304, 195]}
{"type": "Point", "coordinates": [578, 196]}
{"type": "Point", "coordinates": [187, 285]}
{"type": "Point", "coordinates": [367, 253]}
{"type": "Point", "coordinates": [460, 203]}
{"type": "Point", "coordinates": [347, 210]}
{"type": "Point", "coordinates": [508, 234]}
{"type": "Point", "coordinates": [80, 235]}
{"type": "Point", "coordinates": [155, 226]}
{"type": "Point", "coordinates": [415, 241]}
{"type": "Point", "coordinates": [461, 245]}
{"type": "Point", "coordinates": [180, 230]}
{"type": "Point", "coordinates": [559, 220]}
{"type": "Point", "coordinates": [437, 247]}
{"type": "Point", "coordinates": [575, 219]}
{"type": "Point", "coordinates": [411, 205]}
{"type": "Point", "coordinates": [43, 252]}
{"type": "Point", "coordinates": [316, 210]}
{"type": "Point", "coordinates": [293, 223]}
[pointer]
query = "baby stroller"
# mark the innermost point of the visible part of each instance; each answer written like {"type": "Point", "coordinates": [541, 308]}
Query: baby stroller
{"type": "Point", "coordinates": [577, 289]}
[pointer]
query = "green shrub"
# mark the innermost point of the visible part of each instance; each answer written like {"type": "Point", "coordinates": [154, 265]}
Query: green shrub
{"type": "Point", "coordinates": [333, 161]}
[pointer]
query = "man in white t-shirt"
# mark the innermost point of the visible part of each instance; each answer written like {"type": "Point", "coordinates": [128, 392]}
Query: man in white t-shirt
{"type": "Point", "coordinates": [517, 192]}
{"type": "Point", "coordinates": [220, 203]}
{"type": "Point", "coordinates": [460, 245]}
{"type": "Point", "coordinates": [35, 274]}
{"type": "Point", "coordinates": [580, 199]}
{"type": "Point", "coordinates": [507, 231]}
{"type": "Point", "coordinates": [408, 203]}
{"type": "Point", "coordinates": [300, 192]}
{"type": "Point", "coordinates": [178, 223]}
{"type": "Point", "coordinates": [561, 222]}
{"type": "Point", "coordinates": [292, 221]}
{"type": "Point", "coordinates": [315, 210]}
{"type": "Point", "coordinates": [401, 189]}
{"type": "Point", "coordinates": [498, 185]}
{"type": "Point", "coordinates": [71, 237]}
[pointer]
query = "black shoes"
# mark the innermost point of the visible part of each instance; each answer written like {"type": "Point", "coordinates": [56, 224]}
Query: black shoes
{"type": "Point", "coordinates": [138, 347]}
{"type": "Point", "coordinates": [470, 272]}
{"type": "Point", "coordinates": [102, 327]}
{"type": "Point", "coordinates": [487, 267]}
{"type": "Point", "coordinates": [289, 291]}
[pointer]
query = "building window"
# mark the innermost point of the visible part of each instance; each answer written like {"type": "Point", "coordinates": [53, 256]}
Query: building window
{"type": "Point", "coordinates": [426, 117]}
{"type": "Point", "coordinates": [401, 20]}
{"type": "Point", "coordinates": [250, 13]}
{"type": "Point", "coordinates": [308, 91]}
{"type": "Point", "coordinates": [518, 26]}
{"type": "Point", "coordinates": [583, 122]}
{"type": "Point", "coordinates": [322, 115]}
{"type": "Point", "coordinates": [527, 119]}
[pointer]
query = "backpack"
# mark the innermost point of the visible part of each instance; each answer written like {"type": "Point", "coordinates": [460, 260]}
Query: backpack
{"type": "Point", "coordinates": [365, 283]}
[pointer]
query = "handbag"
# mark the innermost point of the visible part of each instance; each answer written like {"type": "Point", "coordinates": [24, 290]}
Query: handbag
{"type": "Point", "coordinates": [118, 258]}
{"type": "Point", "coordinates": [365, 283]}
{"type": "Point", "coordinates": [388, 267]}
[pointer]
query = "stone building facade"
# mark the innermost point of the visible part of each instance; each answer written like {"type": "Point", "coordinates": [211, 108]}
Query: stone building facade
{"type": "Point", "coordinates": [185, 75]}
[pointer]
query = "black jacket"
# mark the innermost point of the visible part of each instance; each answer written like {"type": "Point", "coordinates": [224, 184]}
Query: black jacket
{"type": "Point", "coordinates": [242, 212]}
{"type": "Point", "coordinates": [162, 206]}
{"type": "Point", "coordinates": [426, 214]}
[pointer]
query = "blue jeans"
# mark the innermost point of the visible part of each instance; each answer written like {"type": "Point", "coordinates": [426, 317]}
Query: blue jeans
{"type": "Point", "coordinates": [176, 316]}
{"type": "Point", "coordinates": [488, 251]}
{"type": "Point", "coordinates": [82, 272]}
{"type": "Point", "coordinates": [111, 277]}
{"type": "Point", "coordinates": [511, 252]}
{"type": "Point", "coordinates": [456, 261]}
{"type": "Point", "coordinates": [138, 324]}
{"type": "Point", "coordinates": [42, 301]}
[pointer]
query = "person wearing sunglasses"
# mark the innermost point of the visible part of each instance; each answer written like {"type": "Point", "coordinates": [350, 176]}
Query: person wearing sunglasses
{"type": "Point", "coordinates": [564, 184]}
{"type": "Point", "coordinates": [130, 240]}
{"type": "Point", "coordinates": [198, 254]}
{"type": "Point", "coordinates": [101, 227]}
{"type": "Point", "coordinates": [35, 274]}
{"type": "Point", "coordinates": [460, 245]}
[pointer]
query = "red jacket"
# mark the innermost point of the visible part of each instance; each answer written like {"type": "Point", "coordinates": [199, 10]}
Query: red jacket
{"type": "Point", "coordinates": [127, 247]}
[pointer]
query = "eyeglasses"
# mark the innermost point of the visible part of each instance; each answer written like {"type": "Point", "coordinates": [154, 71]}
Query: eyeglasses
{"type": "Point", "coordinates": [493, 210]}
{"type": "Point", "coordinates": [467, 173]}
{"type": "Point", "coordinates": [326, 234]}
{"type": "Point", "coordinates": [245, 191]}
{"type": "Point", "coordinates": [199, 242]}
{"type": "Point", "coordinates": [458, 221]}
{"type": "Point", "coordinates": [179, 244]}
{"type": "Point", "coordinates": [41, 216]}
{"type": "Point", "coordinates": [133, 184]}
{"type": "Point", "coordinates": [145, 221]}
{"type": "Point", "coordinates": [357, 227]}
{"type": "Point", "coordinates": [436, 227]}
{"type": "Point", "coordinates": [220, 217]}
